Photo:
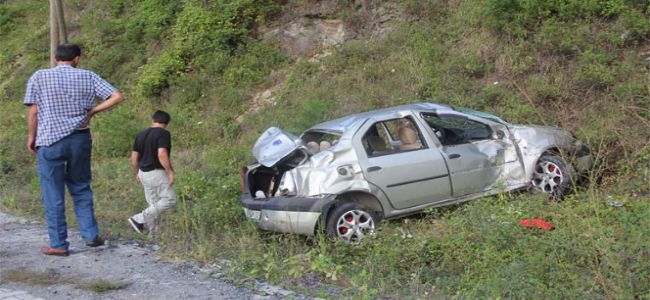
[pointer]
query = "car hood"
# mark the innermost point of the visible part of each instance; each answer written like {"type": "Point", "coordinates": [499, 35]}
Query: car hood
{"type": "Point", "coordinates": [274, 145]}
{"type": "Point", "coordinates": [541, 138]}
{"type": "Point", "coordinates": [542, 132]}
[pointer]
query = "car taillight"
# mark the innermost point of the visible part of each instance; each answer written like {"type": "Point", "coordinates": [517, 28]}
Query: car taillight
{"type": "Point", "coordinates": [242, 178]}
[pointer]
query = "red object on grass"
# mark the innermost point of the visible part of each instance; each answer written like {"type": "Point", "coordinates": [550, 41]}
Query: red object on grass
{"type": "Point", "coordinates": [526, 223]}
{"type": "Point", "coordinates": [536, 222]}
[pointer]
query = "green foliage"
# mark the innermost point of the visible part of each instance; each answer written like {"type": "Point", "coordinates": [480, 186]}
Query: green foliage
{"type": "Point", "coordinates": [521, 17]}
{"type": "Point", "coordinates": [252, 66]}
{"type": "Point", "coordinates": [633, 25]}
{"type": "Point", "coordinates": [564, 38]}
{"type": "Point", "coordinates": [152, 18]}
{"type": "Point", "coordinates": [114, 133]}
{"type": "Point", "coordinates": [155, 76]}
{"type": "Point", "coordinates": [595, 71]}
{"type": "Point", "coordinates": [7, 21]}
{"type": "Point", "coordinates": [197, 31]}
{"type": "Point", "coordinates": [312, 111]}
{"type": "Point", "coordinates": [201, 34]}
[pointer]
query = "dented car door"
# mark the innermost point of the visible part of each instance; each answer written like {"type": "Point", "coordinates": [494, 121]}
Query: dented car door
{"type": "Point", "coordinates": [410, 174]}
{"type": "Point", "coordinates": [474, 155]}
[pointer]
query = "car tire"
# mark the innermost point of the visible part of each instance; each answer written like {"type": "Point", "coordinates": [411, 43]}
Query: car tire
{"type": "Point", "coordinates": [553, 175]}
{"type": "Point", "coordinates": [351, 222]}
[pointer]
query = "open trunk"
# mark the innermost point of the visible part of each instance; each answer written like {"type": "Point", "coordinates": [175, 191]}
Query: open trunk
{"type": "Point", "coordinates": [277, 152]}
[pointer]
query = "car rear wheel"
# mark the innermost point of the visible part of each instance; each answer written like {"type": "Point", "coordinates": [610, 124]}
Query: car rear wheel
{"type": "Point", "coordinates": [553, 175]}
{"type": "Point", "coordinates": [351, 222]}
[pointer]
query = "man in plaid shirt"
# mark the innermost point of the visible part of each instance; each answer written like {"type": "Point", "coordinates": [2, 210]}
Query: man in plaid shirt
{"type": "Point", "coordinates": [60, 106]}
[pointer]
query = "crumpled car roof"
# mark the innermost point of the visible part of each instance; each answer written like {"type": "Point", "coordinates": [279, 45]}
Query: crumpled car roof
{"type": "Point", "coordinates": [344, 124]}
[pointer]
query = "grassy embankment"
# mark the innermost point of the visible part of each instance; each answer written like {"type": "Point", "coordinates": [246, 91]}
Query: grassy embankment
{"type": "Point", "coordinates": [577, 64]}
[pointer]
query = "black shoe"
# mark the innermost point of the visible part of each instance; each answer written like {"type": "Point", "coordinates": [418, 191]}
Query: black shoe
{"type": "Point", "coordinates": [139, 227]}
{"type": "Point", "coordinates": [98, 241]}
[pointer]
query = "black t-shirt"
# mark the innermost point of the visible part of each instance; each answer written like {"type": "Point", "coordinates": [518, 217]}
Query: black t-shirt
{"type": "Point", "coordinates": [147, 143]}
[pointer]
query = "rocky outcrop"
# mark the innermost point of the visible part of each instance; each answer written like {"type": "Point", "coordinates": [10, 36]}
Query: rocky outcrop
{"type": "Point", "coordinates": [308, 36]}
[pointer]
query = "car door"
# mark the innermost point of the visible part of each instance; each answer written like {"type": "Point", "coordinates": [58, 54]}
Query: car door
{"type": "Point", "coordinates": [474, 156]}
{"type": "Point", "coordinates": [410, 174]}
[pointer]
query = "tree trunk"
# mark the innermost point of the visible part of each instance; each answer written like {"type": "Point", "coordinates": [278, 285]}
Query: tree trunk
{"type": "Point", "coordinates": [63, 33]}
{"type": "Point", "coordinates": [58, 32]}
{"type": "Point", "coordinates": [54, 31]}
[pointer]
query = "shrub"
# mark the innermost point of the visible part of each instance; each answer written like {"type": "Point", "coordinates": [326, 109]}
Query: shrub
{"type": "Point", "coordinates": [522, 17]}
{"type": "Point", "coordinates": [151, 18]}
{"type": "Point", "coordinates": [595, 71]}
{"type": "Point", "coordinates": [7, 21]}
{"type": "Point", "coordinates": [155, 76]}
{"type": "Point", "coordinates": [632, 26]}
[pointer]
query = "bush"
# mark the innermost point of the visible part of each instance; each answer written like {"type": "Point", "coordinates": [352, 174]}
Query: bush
{"type": "Point", "coordinates": [151, 18]}
{"type": "Point", "coordinates": [522, 17]}
{"type": "Point", "coordinates": [155, 76]}
{"type": "Point", "coordinates": [6, 20]}
{"type": "Point", "coordinates": [595, 71]}
{"type": "Point", "coordinates": [632, 26]}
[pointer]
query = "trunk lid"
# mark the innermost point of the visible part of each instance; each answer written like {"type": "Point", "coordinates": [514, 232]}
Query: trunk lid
{"type": "Point", "coordinates": [275, 144]}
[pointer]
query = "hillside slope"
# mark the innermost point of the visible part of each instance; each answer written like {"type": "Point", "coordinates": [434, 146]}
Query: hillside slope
{"type": "Point", "coordinates": [227, 70]}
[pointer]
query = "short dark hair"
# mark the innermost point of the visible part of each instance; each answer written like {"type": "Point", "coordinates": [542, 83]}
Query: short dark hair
{"type": "Point", "coordinates": [67, 52]}
{"type": "Point", "coordinates": [161, 117]}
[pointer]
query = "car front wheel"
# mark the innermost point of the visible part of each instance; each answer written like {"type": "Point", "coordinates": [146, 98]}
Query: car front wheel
{"type": "Point", "coordinates": [351, 222]}
{"type": "Point", "coordinates": [553, 175]}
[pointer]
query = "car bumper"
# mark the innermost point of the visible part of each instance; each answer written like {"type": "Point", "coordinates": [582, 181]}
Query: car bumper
{"type": "Point", "coordinates": [286, 214]}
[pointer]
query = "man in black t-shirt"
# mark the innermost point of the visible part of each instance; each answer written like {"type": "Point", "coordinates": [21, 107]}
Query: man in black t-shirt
{"type": "Point", "coordinates": [150, 160]}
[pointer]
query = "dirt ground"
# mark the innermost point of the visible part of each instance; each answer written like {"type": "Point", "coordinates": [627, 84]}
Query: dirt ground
{"type": "Point", "coordinates": [118, 270]}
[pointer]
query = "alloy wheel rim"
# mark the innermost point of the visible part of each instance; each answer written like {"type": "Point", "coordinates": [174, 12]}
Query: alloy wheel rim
{"type": "Point", "coordinates": [354, 225]}
{"type": "Point", "coordinates": [547, 177]}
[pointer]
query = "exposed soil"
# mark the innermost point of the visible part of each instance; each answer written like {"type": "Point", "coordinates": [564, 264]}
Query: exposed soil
{"type": "Point", "coordinates": [118, 270]}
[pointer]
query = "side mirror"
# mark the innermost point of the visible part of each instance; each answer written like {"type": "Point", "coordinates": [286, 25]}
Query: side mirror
{"type": "Point", "coordinates": [500, 134]}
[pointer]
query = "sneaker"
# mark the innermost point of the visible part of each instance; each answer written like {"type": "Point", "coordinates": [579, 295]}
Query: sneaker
{"type": "Point", "coordinates": [98, 241]}
{"type": "Point", "coordinates": [55, 252]}
{"type": "Point", "coordinates": [139, 227]}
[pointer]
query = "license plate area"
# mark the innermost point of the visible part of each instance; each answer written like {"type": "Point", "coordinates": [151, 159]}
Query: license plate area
{"type": "Point", "coordinates": [252, 214]}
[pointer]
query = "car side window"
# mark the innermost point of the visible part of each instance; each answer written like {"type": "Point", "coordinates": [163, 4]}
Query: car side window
{"type": "Point", "coordinates": [455, 130]}
{"type": "Point", "coordinates": [392, 136]}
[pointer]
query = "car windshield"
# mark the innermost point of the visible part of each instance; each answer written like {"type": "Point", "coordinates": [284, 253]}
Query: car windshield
{"type": "Point", "coordinates": [317, 141]}
{"type": "Point", "coordinates": [483, 115]}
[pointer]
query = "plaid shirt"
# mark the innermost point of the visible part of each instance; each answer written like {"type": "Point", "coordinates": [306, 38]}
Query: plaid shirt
{"type": "Point", "coordinates": [64, 96]}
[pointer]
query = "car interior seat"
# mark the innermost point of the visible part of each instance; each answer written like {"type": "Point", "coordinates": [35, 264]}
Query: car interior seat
{"type": "Point", "coordinates": [324, 145]}
{"type": "Point", "coordinates": [313, 147]}
{"type": "Point", "coordinates": [408, 138]}
{"type": "Point", "coordinates": [377, 144]}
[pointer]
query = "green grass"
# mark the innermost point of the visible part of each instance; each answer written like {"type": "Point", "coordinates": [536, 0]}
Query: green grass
{"type": "Point", "coordinates": [577, 65]}
{"type": "Point", "coordinates": [28, 277]}
{"type": "Point", "coordinates": [103, 286]}
{"type": "Point", "coordinates": [34, 278]}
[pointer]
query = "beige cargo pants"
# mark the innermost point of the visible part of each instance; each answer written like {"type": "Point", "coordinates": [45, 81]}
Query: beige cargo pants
{"type": "Point", "coordinates": [159, 195]}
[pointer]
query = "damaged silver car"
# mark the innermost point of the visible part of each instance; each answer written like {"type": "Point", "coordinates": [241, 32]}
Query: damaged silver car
{"type": "Point", "coordinates": [344, 176]}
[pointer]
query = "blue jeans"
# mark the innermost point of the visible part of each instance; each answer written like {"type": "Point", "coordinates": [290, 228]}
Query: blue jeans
{"type": "Point", "coordinates": [67, 163]}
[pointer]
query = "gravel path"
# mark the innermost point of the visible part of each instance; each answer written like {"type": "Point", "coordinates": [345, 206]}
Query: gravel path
{"type": "Point", "coordinates": [143, 273]}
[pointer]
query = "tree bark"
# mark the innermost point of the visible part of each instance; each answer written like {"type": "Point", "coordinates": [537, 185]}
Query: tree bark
{"type": "Point", "coordinates": [54, 31]}
{"type": "Point", "coordinates": [58, 32]}
{"type": "Point", "coordinates": [63, 33]}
